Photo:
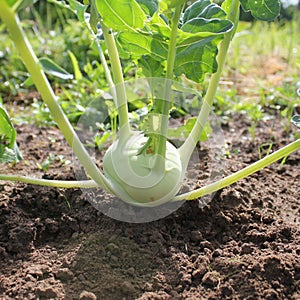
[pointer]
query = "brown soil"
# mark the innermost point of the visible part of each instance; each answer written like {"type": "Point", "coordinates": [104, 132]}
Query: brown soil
{"type": "Point", "coordinates": [244, 245]}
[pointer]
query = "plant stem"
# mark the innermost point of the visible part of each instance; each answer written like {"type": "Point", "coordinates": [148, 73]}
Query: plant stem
{"type": "Point", "coordinates": [120, 91]}
{"type": "Point", "coordinates": [187, 148]}
{"type": "Point", "coordinates": [165, 108]}
{"type": "Point", "coordinates": [107, 74]}
{"type": "Point", "coordinates": [11, 20]}
{"type": "Point", "coordinates": [101, 56]}
{"type": "Point", "coordinates": [83, 184]}
{"type": "Point", "coordinates": [260, 164]}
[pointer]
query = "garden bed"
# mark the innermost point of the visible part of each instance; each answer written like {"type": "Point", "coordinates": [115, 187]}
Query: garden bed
{"type": "Point", "coordinates": [244, 245]}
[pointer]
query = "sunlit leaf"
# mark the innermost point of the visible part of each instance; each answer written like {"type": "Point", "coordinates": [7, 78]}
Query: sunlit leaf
{"type": "Point", "coordinates": [204, 9]}
{"type": "Point", "coordinates": [175, 3]}
{"type": "Point", "coordinates": [184, 130]}
{"type": "Point", "coordinates": [121, 14]}
{"type": "Point", "coordinates": [6, 129]}
{"type": "Point", "coordinates": [266, 10]}
{"type": "Point", "coordinates": [197, 59]}
{"type": "Point", "coordinates": [11, 2]}
{"type": "Point", "coordinates": [205, 27]}
{"type": "Point", "coordinates": [77, 72]}
{"type": "Point", "coordinates": [138, 44]}
{"type": "Point", "coordinates": [19, 4]}
{"type": "Point", "coordinates": [207, 130]}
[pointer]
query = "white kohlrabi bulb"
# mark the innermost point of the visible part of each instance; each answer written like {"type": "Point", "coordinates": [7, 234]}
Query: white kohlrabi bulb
{"type": "Point", "coordinates": [133, 176]}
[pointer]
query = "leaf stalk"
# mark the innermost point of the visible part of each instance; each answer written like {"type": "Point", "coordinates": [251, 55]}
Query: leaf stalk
{"type": "Point", "coordinates": [12, 22]}
{"type": "Point", "coordinates": [119, 93]}
{"type": "Point", "coordinates": [163, 134]}
{"type": "Point", "coordinates": [245, 172]}
{"type": "Point", "coordinates": [188, 146]}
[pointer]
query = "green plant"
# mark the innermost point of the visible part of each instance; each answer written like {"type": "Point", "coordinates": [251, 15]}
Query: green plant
{"type": "Point", "coordinates": [165, 39]}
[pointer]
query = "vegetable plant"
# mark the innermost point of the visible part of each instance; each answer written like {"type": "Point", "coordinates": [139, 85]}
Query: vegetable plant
{"type": "Point", "coordinates": [165, 39]}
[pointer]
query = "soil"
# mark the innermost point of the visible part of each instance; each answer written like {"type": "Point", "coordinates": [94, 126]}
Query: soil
{"type": "Point", "coordinates": [244, 244]}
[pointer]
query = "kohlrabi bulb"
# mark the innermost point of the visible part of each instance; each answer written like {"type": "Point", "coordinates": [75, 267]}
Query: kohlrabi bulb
{"type": "Point", "coordinates": [136, 178]}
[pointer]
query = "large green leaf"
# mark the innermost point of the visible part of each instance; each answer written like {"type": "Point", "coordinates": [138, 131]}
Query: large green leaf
{"type": "Point", "coordinates": [204, 9]}
{"type": "Point", "coordinates": [203, 27]}
{"type": "Point", "coordinates": [206, 27]}
{"type": "Point", "coordinates": [138, 44]}
{"type": "Point", "coordinates": [197, 59]}
{"type": "Point", "coordinates": [121, 14]}
{"type": "Point", "coordinates": [266, 10]}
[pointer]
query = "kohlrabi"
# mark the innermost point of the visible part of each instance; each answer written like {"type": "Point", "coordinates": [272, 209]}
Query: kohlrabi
{"type": "Point", "coordinates": [165, 39]}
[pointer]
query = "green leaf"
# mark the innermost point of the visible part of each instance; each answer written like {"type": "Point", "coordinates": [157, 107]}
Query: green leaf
{"type": "Point", "coordinates": [197, 59]}
{"type": "Point", "coordinates": [207, 130]}
{"type": "Point", "coordinates": [139, 44]}
{"type": "Point", "coordinates": [19, 4]}
{"type": "Point", "coordinates": [11, 2]}
{"type": "Point", "coordinates": [175, 3]}
{"type": "Point", "coordinates": [204, 9]}
{"type": "Point", "coordinates": [78, 8]}
{"type": "Point", "coordinates": [77, 72]}
{"type": "Point", "coordinates": [94, 16]}
{"type": "Point", "coordinates": [265, 10]}
{"type": "Point", "coordinates": [51, 68]}
{"type": "Point", "coordinates": [121, 14]}
{"type": "Point", "coordinates": [204, 24]}
{"type": "Point", "coordinates": [196, 45]}
{"type": "Point", "coordinates": [6, 155]}
{"type": "Point", "coordinates": [151, 68]}
{"type": "Point", "coordinates": [184, 130]}
{"type": "Point", "coordinates": [8, 147]}
{"type": "Point", "coordinates": [148, 6]}
{"type": "Point", "coordinates": [204, 27]}
{"type": "Point", "coordinates": [28, 82]}
{"type": "Point", "coordinates": [7, 131]}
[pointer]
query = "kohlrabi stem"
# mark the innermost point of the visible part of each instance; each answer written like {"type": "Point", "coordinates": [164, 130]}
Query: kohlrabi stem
{"type": "Point", "coordinates": [163, 134]}
{"type": "Point", "coordinates": [11, 20]}
{"type": "Point", "coordinates": [84, 184]}
{"type": "Point", "coordinates": [120, 91]}
{"type": "Point", "coordinates": [260, 164]}
{"type": "Point", "coordinates": [187, 148]}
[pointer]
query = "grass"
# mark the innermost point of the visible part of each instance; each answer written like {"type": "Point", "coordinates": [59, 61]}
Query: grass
{"type": "Point", "coordinates": [259, 79]}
